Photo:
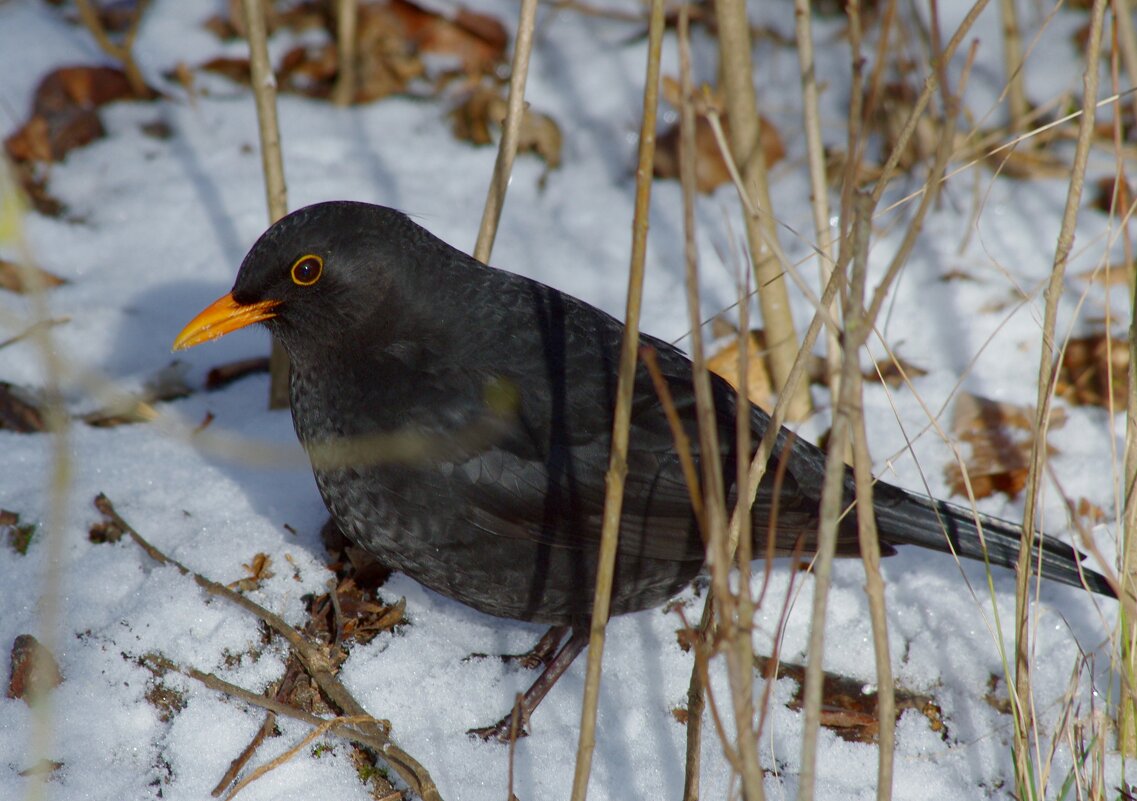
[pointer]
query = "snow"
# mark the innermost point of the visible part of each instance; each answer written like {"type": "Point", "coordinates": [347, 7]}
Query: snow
{"type": "Point", "coordinates": [156, 229]}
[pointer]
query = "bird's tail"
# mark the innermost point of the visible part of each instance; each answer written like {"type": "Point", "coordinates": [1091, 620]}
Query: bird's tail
{"type": "Point", "coordinates": [946, 527]}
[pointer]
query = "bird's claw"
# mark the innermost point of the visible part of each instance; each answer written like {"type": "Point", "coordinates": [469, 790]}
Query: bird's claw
{"type": "Point", "coordinates": [504, 731]}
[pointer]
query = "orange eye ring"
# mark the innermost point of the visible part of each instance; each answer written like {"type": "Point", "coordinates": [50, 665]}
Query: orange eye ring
{"type": "Point", "coordinates": [307, 270]}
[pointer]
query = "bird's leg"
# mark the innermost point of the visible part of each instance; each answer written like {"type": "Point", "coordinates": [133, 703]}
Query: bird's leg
{"type": "Point", "coordinates": [541, 654]}
{"type": "Point", "coordinates": [503, 729]}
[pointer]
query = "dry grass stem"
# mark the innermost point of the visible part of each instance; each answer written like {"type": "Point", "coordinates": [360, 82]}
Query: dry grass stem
{"type": "Point", "coordinates": [510, 131]}
{"type": "Point", "coordinates": [316, 663]}
{"type": "Point", "coordinates": [57, 420]}
{"type": "Point", "coordinates": [932, 184]}
{"type": "Point", "coordinates": [1013, 65]}
{"type": "Point", "coordinates": [852, 389]}
{"type": "Point", "coordinates": [1022, 697]}
{"type": "Point", "coordinates": [931, 84]}
{"type": "Point", "coordinates": [737, 77]}
{"type": "Point", "coordinates": [1127, 625]}
{"type": "Point", "coordinates": [317, 732]}
{"type": "Point", "coordinates": [734, 612]}
{"type": "Point", "coordinates": [1126, 42]}
{"type": "Point", "coordinates": [272, 164]}
{"type": "Point", "coordinates": [123, 52]}
{"type": "Point", "coordinates": [831, 510]}
{"type": "Point", "coordinates": [696, 703]}
{"type": "Point", "coordinates": [617, 463]}
{"type": "Point", "coordinates": [347, 13]}
{"type": "Point", "coordinates": [818, 180]}
{"type": "Point", "coordinates": [682, 441]}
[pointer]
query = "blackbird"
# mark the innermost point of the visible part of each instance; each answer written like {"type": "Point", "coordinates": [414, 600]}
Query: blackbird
{"type": "Point", "coordinates": [458, 419]}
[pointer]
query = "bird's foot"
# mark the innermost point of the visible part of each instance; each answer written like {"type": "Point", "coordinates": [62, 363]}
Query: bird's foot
{"type": "Point", "coordinates": [539, 656]}
{"type": "Point", "coordinates": [505, 731]}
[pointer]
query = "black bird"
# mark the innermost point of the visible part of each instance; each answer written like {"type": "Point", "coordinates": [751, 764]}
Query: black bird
{"type": "Point", "coordinates": [458, 419]}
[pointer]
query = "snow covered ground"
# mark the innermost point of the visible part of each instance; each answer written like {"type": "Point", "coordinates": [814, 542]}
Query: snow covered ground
{"type": "Point", "coordinates": [156, 228]}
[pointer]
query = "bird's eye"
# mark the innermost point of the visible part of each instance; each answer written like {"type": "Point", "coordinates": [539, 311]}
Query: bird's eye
{"type": "Point", "coordinates": [307, 270]}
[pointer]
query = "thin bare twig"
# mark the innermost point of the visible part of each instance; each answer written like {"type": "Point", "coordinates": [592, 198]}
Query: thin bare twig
{"type": "Point", "coordinates": [617, 462]}
{"type": "Point", "coordinates": [733, 613]}
{"type": "Point", "coordinates": [319, 731]}
{"type": "Point", "coordinates": [272, 163]}
{"type": "Point", "coordinates": [682, 441]}
{"type": "Point", "coordinates": [1046, 377]}
{"type": "Point", "coordinates": [347, 13]}
{"type": "Point", "coordinates": [315, 662]}
{"type": "Point", "coordinates": [121, 51]}
{"type": "Point", "coordinates": [510, 131]}
{"type": "Point", "coordinates": [818, 180]}
{"type": "Point", "coordinates": [855, 317]}
{"type": "Point", "coordinates": [1013, 65]}
{"type": "Point", "coordinates": [737, 75]}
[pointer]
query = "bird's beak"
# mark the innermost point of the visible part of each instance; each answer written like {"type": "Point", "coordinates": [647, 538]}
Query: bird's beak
{"type": "Point", "coordinates": [221, 317]}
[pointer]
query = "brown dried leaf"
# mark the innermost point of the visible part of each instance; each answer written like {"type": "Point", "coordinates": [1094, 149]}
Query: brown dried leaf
{"type": "Point", "coordinates": [19, 535]}
{"type": "Point", "coordinates": [893, 372]}
{"type": "Point", "coordinates": [1027, 163]}
{"type": "Point", "coordinates": [1111, 195]}
{"type": "Point", "coordinates": [235, 69]}
{"type": "Point", "coordinates": [167, 384]}
{"type": "Point", "coordinates": [539, 134]}
{"type": "Point", "coordinates": [64, 112]}
{"type": "Point", "coordinates": [1094, 371]}
{"type": "Point", "coordinates": [1090, 512]}
{"type": "Point", "coordinates": [1108, 275]}
{"type": "Point", "coordinates": [19, 410]}
{"type": "Point", "coordinates": [957, 274]}
{"type": "Point", "coordinates": [848, 706]}
{"type": "Point", "coordinates": [477, 41]}
{"type": "Point", "coordinates": [105, 531]}
{"type": "Point", "coordinates": [26, 278]}
{"type": "Point", "coordinates": [308, 70]}
{"type": "Point", "coordinates": [226, 374]}
{"type": "Point", "coordinates": [259, 569]}
{"type": "Point", "coordinates": [710, 167]}
{"type": "Point", "coordinates": [34, 671]}
{"type": "Point", "coordinates": [1001, 436]}
{"type": "Point", "coordinates": [724, 362]}
{"type": "Point", "coordinates": [44, 767]}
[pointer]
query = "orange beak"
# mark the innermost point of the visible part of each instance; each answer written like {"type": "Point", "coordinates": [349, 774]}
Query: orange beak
{"type": "Point", "coordinates": [220, 318]}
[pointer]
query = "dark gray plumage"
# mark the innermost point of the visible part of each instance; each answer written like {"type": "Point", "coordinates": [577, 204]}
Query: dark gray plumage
{"type": "Point", "coordinates": [459, 419]}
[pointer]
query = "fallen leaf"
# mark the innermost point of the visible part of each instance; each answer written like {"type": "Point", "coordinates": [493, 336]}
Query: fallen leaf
{"type": "Point", "coordinates": [397, 42]}
{"type": "Point", "coordinates": [710, 166]}
{"type": "Point", "coordinates": [1001, 436]}
{"type": "Point", "coordinates": [893, 372]}
{"type": "Point", "coordinates": [19, 535]}
{"type": "Point", "coordinates": [64, 115]}
{"type": "Point", "coordinates": [1090, 512]}
{"type": "Point", "coordinates": [34, 671]}
{"type": "Point", "coordinates": [20, 411]}
{"type": "Point", "coordinates": [476, 42]}
{"type": "Point", "coordinates": [26, 278]}
{"type": "Point", "coordinates": [1094, 371]}
{"type": "Point", "coordinates": [64, 112]}
{"type": "Point", "coordinates": [724, 363]}
{"type": "Point", "coordinates": [1111, 195]}
{"type": "Point", "coordinates": [166, 384]}
{"type": "Point", "coordinates": [1108, 274]}
{"type": "Point", "coordinates": [484, 109]}
{"type": "Point", "coordinates": [259, 569]}
{"type": "Point", "coordinates": [848, 706]}
{"type": "Point", "coordinates": [226, 374]}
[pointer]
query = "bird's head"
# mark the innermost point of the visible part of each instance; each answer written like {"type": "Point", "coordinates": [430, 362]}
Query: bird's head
{"type": "Point", "coordinates": [316, 277]}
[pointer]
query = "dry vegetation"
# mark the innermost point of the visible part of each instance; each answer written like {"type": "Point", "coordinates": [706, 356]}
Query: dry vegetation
{"type": "Point", "coordinates": [907, 118]}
